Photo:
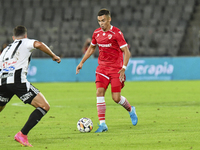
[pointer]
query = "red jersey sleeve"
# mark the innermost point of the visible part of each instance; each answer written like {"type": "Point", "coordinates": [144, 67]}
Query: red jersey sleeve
{"type": "Point", "coordinates": [93, 42]}
{"type": "Point", "coordinates": [120, 39]}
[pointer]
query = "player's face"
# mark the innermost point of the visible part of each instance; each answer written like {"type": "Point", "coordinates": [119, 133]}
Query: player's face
{"type": "Point", "coordinates": [104, 22]}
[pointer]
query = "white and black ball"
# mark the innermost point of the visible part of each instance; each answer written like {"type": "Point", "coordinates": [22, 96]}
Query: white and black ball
{"type": "Point", "coordinates": [85, 125]}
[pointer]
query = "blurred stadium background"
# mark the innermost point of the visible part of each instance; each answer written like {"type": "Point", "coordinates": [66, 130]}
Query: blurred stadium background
{"type": "Point", "coordinates": [151, 27]}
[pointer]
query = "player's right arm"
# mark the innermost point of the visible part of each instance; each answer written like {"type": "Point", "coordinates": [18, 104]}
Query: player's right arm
{"type": "Point", "coordinates": [88, 53]}
{"type": "Point", "coordinates": [47, 50]}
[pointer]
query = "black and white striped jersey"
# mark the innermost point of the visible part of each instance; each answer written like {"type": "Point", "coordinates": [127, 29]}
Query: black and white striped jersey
{"type": "Point", "coordinates": [14, 61]}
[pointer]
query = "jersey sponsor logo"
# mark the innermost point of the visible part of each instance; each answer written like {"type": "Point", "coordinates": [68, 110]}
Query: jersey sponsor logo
{"type": "Point", "coordinates": [26, 96]}
{"type": "Point", "coordinates": [3, 99]}
{"type": "Point", "coordinates": [6, 75]}
{"type": "Point", "coordinates": [105, 45]}
{"type": "Point", "coordinates": [11, 68]}
{"type": "Point", "coordinates": [109, 36]}
{"type": "Point", "coordinates": [8, 64]}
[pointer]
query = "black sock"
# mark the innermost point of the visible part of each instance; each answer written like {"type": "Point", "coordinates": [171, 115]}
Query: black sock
{"type": "Point", "coordinates": [34, 118]}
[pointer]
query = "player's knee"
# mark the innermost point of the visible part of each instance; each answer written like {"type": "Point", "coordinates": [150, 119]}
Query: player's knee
{"type": "Point", "coordinates": [46, 107]}
{"type": "Point", "coordinates": [116, 99]}
{"type": "Point", "coordinates": [100, 92]}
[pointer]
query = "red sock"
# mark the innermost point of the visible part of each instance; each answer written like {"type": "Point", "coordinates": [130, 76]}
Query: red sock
{"type": "Point", "coordinates": [101, 109]}
{"type": "Point", "coordinates": [123, 102]}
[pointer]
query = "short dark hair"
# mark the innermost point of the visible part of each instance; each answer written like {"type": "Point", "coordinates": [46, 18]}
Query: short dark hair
{"type": "Point", "coordinates": [104, 11]}
{"type": "Point", "coordinates": [19, 31]}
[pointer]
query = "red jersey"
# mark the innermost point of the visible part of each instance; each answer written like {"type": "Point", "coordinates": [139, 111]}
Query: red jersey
{"type": "Point", "coordinates": [109, 44]}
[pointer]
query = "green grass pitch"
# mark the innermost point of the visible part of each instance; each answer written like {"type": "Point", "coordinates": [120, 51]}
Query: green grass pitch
{"type": "Point", "coordinates": [168, 118]}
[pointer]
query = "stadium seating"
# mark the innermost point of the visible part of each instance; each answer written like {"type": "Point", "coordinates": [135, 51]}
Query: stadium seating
{"type": "Point", "coordinates": [151, 28]}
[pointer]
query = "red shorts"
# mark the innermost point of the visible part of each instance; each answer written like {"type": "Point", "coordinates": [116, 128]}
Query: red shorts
{"type": "Point", "coordinates": [106, 76]}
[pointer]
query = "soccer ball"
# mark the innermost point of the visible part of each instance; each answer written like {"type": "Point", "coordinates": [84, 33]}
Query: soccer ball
{"type": "Point", "coordinates": [85, 125]}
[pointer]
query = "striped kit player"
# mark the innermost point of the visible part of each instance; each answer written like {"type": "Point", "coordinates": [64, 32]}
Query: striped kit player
{"type": "Point", "coordinates": [14, 61]}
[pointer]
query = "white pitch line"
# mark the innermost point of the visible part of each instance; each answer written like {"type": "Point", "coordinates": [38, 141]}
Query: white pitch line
{"type": "Point", "coordinates": [23, 105]}
{"type": "Point", "coordinates": [18, 104]}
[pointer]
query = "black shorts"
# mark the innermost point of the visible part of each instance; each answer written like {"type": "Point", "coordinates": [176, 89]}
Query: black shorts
{"type": "Point", "coordinates": [25, 91]}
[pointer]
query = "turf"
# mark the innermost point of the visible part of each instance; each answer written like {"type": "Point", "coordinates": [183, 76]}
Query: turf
{"type": "Point", "coordinates": [168, 111]}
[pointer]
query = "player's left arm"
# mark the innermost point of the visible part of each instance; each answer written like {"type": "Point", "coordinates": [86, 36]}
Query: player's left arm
{"type": "Point", "coordinates": [127, 55]}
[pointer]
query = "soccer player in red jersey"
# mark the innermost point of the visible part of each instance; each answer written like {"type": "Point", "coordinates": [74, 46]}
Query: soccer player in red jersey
{"type": "Point", "coordinates": [113, 59]}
